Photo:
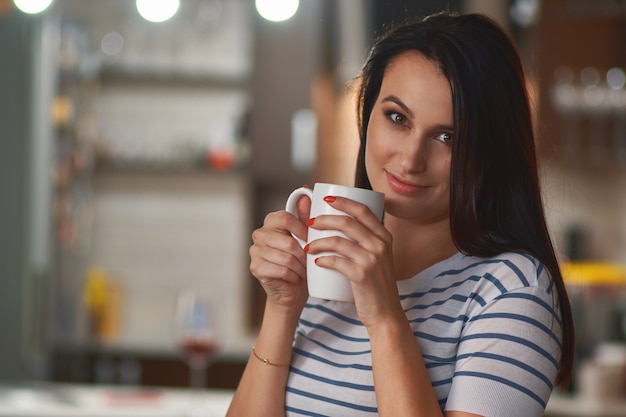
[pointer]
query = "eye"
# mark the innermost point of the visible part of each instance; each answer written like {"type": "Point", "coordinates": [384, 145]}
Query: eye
{"type": "Point", "coordinates": [444, 137]}
{"type": "Point", "coordinates": [396, 118]}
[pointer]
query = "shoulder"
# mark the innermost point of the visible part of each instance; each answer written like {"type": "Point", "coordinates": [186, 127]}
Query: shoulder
{"type": "Point", "coordinates": [510, 270]}
{"type": "Point", "coordinates": [505, 272]}
{"type": "Point", "coordinates": [506, 275]}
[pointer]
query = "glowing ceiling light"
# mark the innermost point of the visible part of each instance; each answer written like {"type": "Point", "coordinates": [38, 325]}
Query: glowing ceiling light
{"type": "Point", "coordinates": [32, 6]}
{"type": "Point", "coordinates": [157, 10]}
{"type": "Point", "coordinates": [277, 10]}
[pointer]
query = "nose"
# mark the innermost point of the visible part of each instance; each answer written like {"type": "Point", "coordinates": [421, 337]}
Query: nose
{"type": "Point", "coordinates": [414, 155]}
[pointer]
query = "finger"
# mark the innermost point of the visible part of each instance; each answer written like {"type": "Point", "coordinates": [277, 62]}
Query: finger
{"type": "Point", "coordinates": [353, 271]}
{"type": "Point", "coordinates": [303, 206]}
{"type": "Point", "coordinates": [360, 212]}
{"type": "Point", "coordinates": [270, 264]}
{"type": "Point", "coordinates": [335, 245]}
{"type": "Point", "coordinates": [348, 258]}
{"type": "Point", "coordinates": [285, 223]}
{"type": "Point", "coordinates": [278, 241]}
{"type": "Point", "coordinates": [377, 240]}
{"type": "Point", "coordinates": [268, 272]}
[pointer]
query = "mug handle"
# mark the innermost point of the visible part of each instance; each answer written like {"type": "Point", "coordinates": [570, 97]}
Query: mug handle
{"type": "Point", "coordinates": [290, 206]}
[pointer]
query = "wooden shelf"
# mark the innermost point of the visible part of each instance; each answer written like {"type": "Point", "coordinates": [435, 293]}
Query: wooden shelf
{"type": "Point", "coordinates": [173, 78]}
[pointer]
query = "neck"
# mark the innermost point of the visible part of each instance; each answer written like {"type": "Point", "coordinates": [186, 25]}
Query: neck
{"type": "Point", "coordinates": [419, 245]}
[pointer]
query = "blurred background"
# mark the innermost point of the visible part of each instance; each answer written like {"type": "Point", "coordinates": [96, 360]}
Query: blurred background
{"type": "Point", "coordinates": [139, 148]}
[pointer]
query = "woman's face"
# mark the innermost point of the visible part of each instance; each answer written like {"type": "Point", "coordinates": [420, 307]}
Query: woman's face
{"type": "Point", "coordinates": [408, 150]}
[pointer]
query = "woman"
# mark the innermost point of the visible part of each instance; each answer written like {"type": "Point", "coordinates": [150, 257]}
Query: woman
{"type": "Point", "coordinates": [460, 307]}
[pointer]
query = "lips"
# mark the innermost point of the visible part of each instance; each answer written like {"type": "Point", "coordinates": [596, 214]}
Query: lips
{"type": "Point", "coordinates": [401, 186]}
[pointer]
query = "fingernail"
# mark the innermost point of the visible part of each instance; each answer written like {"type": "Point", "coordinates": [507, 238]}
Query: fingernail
{"type": "Point", "coordinates": [330, 198]}
{"type": "Point", "coordinates": [310, 221]}
{"type": "Point", "coordinates": [306, 248]}
{"type": "Point", "coordinates": [316, 259]}
{"type": "Point", "coordinates": [306, 186]}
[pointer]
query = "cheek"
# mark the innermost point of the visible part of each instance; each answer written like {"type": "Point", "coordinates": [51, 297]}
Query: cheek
{"type": "Point", "coordinates": [376, 146]}
{"type": "Point", "coordinates": [445, 175]}
{"type": "Point", "coordinates": [442, 161]}
{"type": "Point", "coordinates": [376, 153]}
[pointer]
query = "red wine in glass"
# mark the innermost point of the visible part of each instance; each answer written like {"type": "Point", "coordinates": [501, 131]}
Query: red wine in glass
{"type": "Point", "coordinates": [198, 350]}
{"type": "Point", "coordinates": [195, 335]}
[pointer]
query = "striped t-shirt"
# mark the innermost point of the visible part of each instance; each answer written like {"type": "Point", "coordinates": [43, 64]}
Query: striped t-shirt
{"type": "Point", "coordinates": [489, 331]}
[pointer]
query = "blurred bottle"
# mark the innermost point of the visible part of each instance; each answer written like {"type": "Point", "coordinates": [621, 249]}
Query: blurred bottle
{"type": "Point", "coordinates": [102, 298]}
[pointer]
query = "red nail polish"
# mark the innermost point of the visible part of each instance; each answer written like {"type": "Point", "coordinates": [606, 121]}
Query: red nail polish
{"type": "Point", "coordinates": [306, 186]}
{"type": "Point", "coordinates": [316, 259]}
{"type": "Point", "coordinates": [306, 248]}
{"type": "Point", "coordinates": [310, 221]}
{"type": "Point", "coordinates": [330, 198]}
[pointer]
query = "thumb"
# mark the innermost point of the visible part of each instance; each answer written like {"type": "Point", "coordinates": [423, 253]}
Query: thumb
{"type": "Point", "coordinates": [303, 206]}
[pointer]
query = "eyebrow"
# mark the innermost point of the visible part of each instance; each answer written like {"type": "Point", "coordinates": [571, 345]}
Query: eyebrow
{"type": "Point", "coordinates": [400, 103]}
{"type": "Point", "coordinates": [404, 107]}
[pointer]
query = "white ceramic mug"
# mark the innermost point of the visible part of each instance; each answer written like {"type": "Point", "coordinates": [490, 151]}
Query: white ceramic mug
{"type": "Point", "coordinates": [327, 283]}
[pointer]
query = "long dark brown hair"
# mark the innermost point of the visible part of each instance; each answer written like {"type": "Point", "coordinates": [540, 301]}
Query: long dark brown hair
{"type": "Point", "coordinates": [495, 198]}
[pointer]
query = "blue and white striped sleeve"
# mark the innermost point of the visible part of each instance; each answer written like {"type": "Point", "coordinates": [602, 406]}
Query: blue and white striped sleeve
{"type": "Point", "coordinates": [508, 355]}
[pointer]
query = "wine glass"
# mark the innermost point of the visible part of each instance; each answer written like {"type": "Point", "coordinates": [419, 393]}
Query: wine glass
{"type": "Point", "coordinates": [194, 335]}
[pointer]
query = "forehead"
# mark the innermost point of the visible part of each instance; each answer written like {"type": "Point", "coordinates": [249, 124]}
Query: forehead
{"type": "Point", "coordinates": [414, 64]}
{"type": "Point", "coordinates": [419, 83]}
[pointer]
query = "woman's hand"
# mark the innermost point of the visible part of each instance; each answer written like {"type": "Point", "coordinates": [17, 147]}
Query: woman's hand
{"type": "Point", "coordinates": [366, 259]}
{"type": "Point", "coordinates": [277, 260]}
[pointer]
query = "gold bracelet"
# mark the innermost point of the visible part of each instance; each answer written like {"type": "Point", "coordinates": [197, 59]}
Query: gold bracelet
{"type": "Point", "coordinates": [266, 361]}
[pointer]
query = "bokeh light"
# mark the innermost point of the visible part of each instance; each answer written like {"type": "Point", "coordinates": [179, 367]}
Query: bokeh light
{"type": "Point", "coordinates": [32, 6]}
{"type": "Point", "coordinates": [157, 10]}
{"type": "Point", "coordinates": [277, 10]}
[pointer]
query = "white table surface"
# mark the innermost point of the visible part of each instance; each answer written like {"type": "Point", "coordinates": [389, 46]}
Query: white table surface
{"type": "Point", "coordinates": [52, 400]}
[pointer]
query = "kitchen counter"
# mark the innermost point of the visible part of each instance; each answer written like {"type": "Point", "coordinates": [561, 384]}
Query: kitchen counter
{"type": "Point", "coordinates": [52, 400]}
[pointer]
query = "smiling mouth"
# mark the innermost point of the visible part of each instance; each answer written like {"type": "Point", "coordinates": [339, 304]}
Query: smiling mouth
{"type": "Point", "coordinates": [401, 187]}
